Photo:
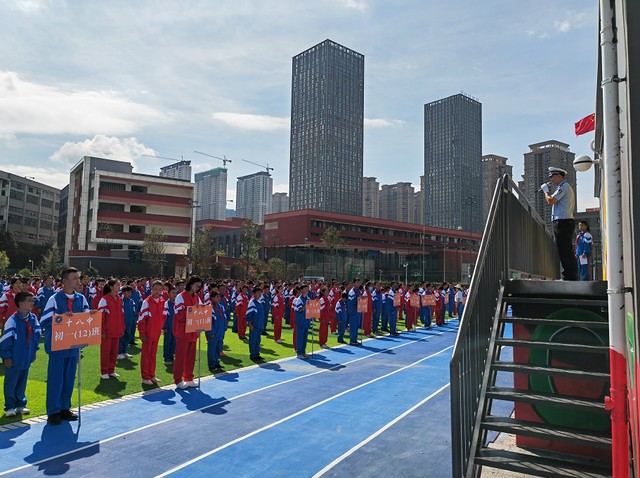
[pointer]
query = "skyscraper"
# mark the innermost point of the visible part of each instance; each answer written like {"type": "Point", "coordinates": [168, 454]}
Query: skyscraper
{"type": "Point", "coordinates": [536, 171]}
{"type": "Point", "coordinates": [452, 160]}
{"type": "Point", "coordinates": [327, 122]}
{"type": "Point", "coordinates": [211, 194]}
{"type": "Point", "coordinates": [493, 168]}
{"type": "Point", "coordinates": [254, 194]}
{"type": "Point", "coordinates": [280, 203]}
{"type": "Point", "coordinates": [419, 215]}
{"type": "Point", "coordinates": [397, 202]}
{"type": "Point", "coordinates": [370, 198]}
{"type": "Point", "coordinates": [179, 170]}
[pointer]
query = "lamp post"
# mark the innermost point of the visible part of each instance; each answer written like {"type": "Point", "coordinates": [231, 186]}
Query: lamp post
{"type": "Point", "coordinates": [422, 240]}
{"type": "Point", "coordinates": [192, 205]}
{"type": "Point", "coordinates": [304, 271]}
{"type": "Point", "coordinates": [460, 261]}
{"type": "Point", "coordinates": [380, 280]}
{"type": "Point", "coordinates": [470, 201]}
{"type": "Point", "coordinates": [406, 274]}
{"type": "Point", "coordinates": [30, 260]}
{"type": "Point", "coordinates": [444, 261]}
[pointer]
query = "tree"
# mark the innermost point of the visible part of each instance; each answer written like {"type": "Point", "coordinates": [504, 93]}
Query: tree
{"type": "Point", "coordinates": [91, 271]}
{"type": "Point", "coordinates": [4, 263]}
{"type": "Point", "coordinates": [154, 250]}
{"type": "Point", "coordinates": [202, 251]}
{"type": "Point", "coordinates": [8, 244]}
{"type": "Point", "coordinates": [277, 269]}
{"type": "Point", "coordinates": [50, 265]}
{"type": "Point", "coordinates": [104, 233]}
{"type": "Point", "coordinates": [334, 244]}
{"type": "Point", "coordinates": [24, 272]}
{"type": "Point", "coordinates": [218, 271]}
{"type": "Point", "coordinates": [237, 271]}
{"type": "Point", "coordinates": [250, 244]}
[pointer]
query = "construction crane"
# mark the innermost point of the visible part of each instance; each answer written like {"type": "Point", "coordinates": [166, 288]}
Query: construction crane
{"type": "Point", "coordinates": [160, 157]}
{"type": "Point", "coordinates": [261, 165]}
{"type": "Point", "coordinates": [223, 159]}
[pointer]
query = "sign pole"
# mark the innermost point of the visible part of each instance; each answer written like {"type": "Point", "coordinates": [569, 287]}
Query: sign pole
{"type": "Point", "coordinates": [199, 354]}
{"type": "Point", "coordinates": [79, 347]}
{"type": "Point", "coordinates": [312, 340]}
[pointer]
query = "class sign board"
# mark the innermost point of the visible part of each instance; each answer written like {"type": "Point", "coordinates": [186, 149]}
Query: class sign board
{"type": "Point", "coordinates": [76, 330]}
{"type": "Point", "coordinates": [363, 305]}
{"type": "Point", "coordinates": [396, 299]}
{"type": "Point", "coordinates": [414, 300]}
{"type": "Point", "coordinates": [313, 309]}
{"type": "Point", "coordinates": [428, 300]}
{"type": "Point", "coordinates": [198, 318]}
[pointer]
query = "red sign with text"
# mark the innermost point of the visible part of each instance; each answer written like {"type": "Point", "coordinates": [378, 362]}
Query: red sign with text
{"type": "Point", "coordinates": [313, 309]}
{"type": "Point", "coordinates": [429, 300]}
{"type": "Point", "coordinates": [414, 300]}
{"type": "Point", "coordinates": [198, 318]}
{"type": "Point", "coordinates": [76, 330]}
{"type": "Point", "coordinates": [363, 305]}
{"type": "Point", "coordinates": [396, 299]}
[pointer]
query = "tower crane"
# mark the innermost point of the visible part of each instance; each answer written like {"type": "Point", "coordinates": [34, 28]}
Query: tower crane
{"type": "Point", "coordinates": [261, 165]}
{"type": "Point", "coordinates": [223, 159]}
{"type": "Point", "coordinates": [161, 157]}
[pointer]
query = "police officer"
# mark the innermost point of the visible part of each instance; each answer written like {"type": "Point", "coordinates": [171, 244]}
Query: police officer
{"type": "Point", "coordinates": [563, 203]}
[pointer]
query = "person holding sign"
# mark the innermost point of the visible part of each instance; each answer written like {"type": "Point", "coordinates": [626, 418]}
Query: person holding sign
{"type": "Point", "coordinates": [255, 320]}
{"type": "Point", "coordinates": [302, 323]}
{"type": "Point", "coordinates": [61, 374]}
{"type": "Point", "coordinates": [278, 309]}
{"type": "Point", "coordinates": [367, 316]}
{"type": "Point", "coordinates": [150, 325]}
{"type": "Point", "coordinates": [112, 328]}
{"type": "Point", "coordinates": [185, 341]}
{"type": "Point", "coordinates": [325, 318]}
{"type": "Point", "coordinates": [354, 316]}
{"type": "Point", "coordinates": [215, 337]}
{"type": "Point", "coordinates": [341, 316]}
{"type": "Point", "coordinates": [18, 348]}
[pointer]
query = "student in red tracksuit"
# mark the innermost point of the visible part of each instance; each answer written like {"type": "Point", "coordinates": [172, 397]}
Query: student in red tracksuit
{"type": "Point", "coordinates": [242, 304]}
{"type": "Point", "coordinates": [401, 308]}
{"type": "Point", "coordinates": [150, 322]}
{"type": "Point", "coordinates": [367, 316]}
{"type": "Point", "coordinates": [296, 294]}
{"type": "Point", "coordinates": [185, 342]}
{"type": "Point", "coordinates": [112, 328]}
{"type": "Point", "coordinates": [7, 303]}
{"type": "Point", "coordinates": [325, 318]}
{"type": "Point", "coordinates": [439, 293]}
{"type": "Point", "coordinates": [277, 312]}
{"type": "Point", "coordinates": [333, 298]}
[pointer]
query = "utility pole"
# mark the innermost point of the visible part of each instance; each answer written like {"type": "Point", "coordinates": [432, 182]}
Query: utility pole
{"type": "Point", "coordinates": [470, 201]}
{"type": "Point", "coordinates": [192, 205]}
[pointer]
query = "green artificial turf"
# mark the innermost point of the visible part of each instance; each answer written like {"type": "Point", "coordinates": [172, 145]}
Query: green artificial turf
{"type": "Point", "coordinates": [94, 389]}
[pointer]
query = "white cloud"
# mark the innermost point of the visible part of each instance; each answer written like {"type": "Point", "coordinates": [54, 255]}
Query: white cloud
{"type": "Point", "coordinates": [357, 4]}
{"type": "Point", "coordinates": [381, 123]}
{"type": "Point", "coordinates": [281, 188]}
{"type": "Point", "coordinates": [127, 149]}
{"type": "Point", "coordinates": [574, 20]}
{"type": "Point", "coordinates": [55, 177]}
{"type": "Point", "coordinates": [27, 107]}
{"type": "Point", "coordinates": [253, 122]}
{"type": "Point", "coordinates": [231, 194]}
{"type": "Point", "coordinates": [27, 6]}
{"type": "Point", "coordinates": [563, 26]}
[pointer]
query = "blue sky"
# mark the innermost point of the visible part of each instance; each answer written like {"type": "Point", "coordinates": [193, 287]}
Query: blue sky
{"type": "Point", "coordinates": [121, 79]}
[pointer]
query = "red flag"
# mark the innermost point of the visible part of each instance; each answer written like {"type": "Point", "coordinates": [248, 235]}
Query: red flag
{"type": "Point", "coordinates": [585, 125]}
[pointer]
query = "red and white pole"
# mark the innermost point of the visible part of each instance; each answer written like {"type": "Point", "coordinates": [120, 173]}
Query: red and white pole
{"type": "Point", "coordinates": [617, 401]}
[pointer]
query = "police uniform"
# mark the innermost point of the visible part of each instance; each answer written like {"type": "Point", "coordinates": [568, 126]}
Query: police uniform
{"type": "Point", "coordinates": [564, 224]}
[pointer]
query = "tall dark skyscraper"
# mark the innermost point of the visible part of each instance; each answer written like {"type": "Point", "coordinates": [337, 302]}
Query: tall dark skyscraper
{"type": "Point", "coordinates": [452, 163]}
{"type": "Point", "coordinates": [327, 122]}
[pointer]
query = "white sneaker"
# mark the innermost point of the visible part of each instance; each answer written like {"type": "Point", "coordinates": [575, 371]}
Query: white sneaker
{"type": "Point", "coordinates": [120, 356]}
{"type": "Point", "coordinates": [11, 412]}
{"type": "Point", "coordinates": [23, 411]}
{"type": "Point", "coordinates": [128, 356]}
{"type": "Point", "coordinates": [147, 382]}
{"type": "Point", "coordinates": [182, 385]}
{"type": "Point", "coordinates": [115, 375]}
{"type": "Point", "coordinates": [156, 380]}
{"type": "Point", "coordinates": [105, 376]}
{"type": "Point", "coordinates": [279, 341]}
{"type": "Point", "coordinates": [324, 346]}
{"type": "Point", "coordinates": [301, 356]}
{"type": "Point", "coordinates": [192, 384]}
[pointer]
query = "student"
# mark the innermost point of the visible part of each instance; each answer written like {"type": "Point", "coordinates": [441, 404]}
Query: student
{"type": "Point", "coordinates": [367, 317]}
{"type": "Point", "coordinates": [439, 306]}
{"type": "Point", "coordinates": [242, 302]}
{"type": "Point", "coordinates": [185, 342]}
{"type": "Point", "coordinates": [18, 348]}
{"type": "Point", "coordinates": [61, 374]}
{"type": "Point", "coordinates": [216, 336]}
{"type": "Point", "coordinates": [302, 323]}
{"type": "Point", "coordinates": [392, 310]}
{"type": "Point", "coordinates": [169, 345]}
{"type": "Point", "coordinates": [255, 319]}
{"type": "Point", "coordinates": [584, 248]}
{"type": "Point", "coordinates": [325, 318]}
{"type": "Point", "coordinates": [113, 327]}
{"type": "Point", "coordinates": [341, 316]}
{"type": "Point", "coordinates": [7, 302]}
{"type": "Point", "coordinates": [97, 292]}
{"type": "Point", "coordinates": [459, 300]}
{"type": "Point", "coordinates": [149, 327]}
{"type": "Point", "coordinates": [130, 320]}
{"type": "Point", "coordinates": [278, 310]}
{"type": "Point", "coordinates": [384, 309]}
{"type": "Point", "coordinates": [354, 316]}
{"type": "Point", "coordinates": [266, 306]}
{"type": "Point", "coordinates": [86, 290]}
{"type": "Point", "coordinates": [44, 294]}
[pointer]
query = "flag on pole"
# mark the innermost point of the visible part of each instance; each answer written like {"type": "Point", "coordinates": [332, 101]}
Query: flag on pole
{"type": "Point", "coordinates": [586, 124]}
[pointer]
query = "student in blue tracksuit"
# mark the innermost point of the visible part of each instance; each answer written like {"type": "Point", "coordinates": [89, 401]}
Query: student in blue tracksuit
{"type": "Point", "coordinates": [44, 294]}
{"type": "Point", "coordinates": [130, 320]}
{"type": "Point", "coordinates": [354, 316]}
{"type": "Point", "coordinates": [18, 347]}
{"type": "Point", "coordinates": [584, 248]}
{"type": "Point", "coordinates": [384, 315]}
{"type": "Point", "coordinates": [302, 323]}
{"type": "Point", "coordinates": [255, 320]}
{"type": "Point", "coordinates": [287, 305]}
{"type": "Point", "coordinates": [377, 308]}
{"type": "Point", "coordinates": [169, 345]}
{"type": "Point", "coordinates": [234, 295]}
{"type": "Point", "coordinates": [266, 306]}
{"type": "Point", "coordinates": [341, 316]}
{"type": "Point", "coordinates": [215, 337]}
{"type": "Point", "coordinates": [392, 311]}
{"type": "Point", "coordinates": [61, 375]}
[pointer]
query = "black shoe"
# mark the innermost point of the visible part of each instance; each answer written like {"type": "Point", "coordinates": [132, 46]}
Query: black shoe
{"type": "Point", "coordinates": [68, 415]}
{"type": "Point", "coordinates": [54, 419]}
{"type": "Point", "coordinates": [384, 329]}
{"type": "Point", "coordinates": [265, 334]}
{"type": "Point", "coordinates": [257, 358]}
{"type": "Point", "coordinates": [354, 343]}
{"type": "Point", "coordinates": [341, 342]}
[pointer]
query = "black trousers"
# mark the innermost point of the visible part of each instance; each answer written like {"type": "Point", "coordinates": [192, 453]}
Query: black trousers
{"type": "Point", "coordinates": [563, 232]}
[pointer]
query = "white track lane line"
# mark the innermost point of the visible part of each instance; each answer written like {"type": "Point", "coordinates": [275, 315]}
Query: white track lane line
{"type": "Point", "coordinates": [379, 432]}
{"type": "Point", "coordinates": [55, 457]}
{"type": "Point", "coordinates": [255, 432]}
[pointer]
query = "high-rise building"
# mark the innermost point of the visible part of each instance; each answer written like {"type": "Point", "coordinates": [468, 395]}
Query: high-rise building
{"type": "Point", "coordinates": [537, 162]}
{"type": "Point", "coordinates": [179, 170]}
{"type": "Point", "coordinates": [452, 160]}
{"type": "Point", "coordinates": [211, 193]}
{"type": "Point", "coordinates": [493, 168]}
{"type": "Point", "coordinates": [397, 202]}
{"type": "Point", "coordinates": [254, 194]}
{"type": "Point", "coordinates": [419, 214]}
{"type": "Point", "coordinates": [370, 197]}
{"type": "Point", "coordinates": [280, 203]}
{"type": "Point", "coordinates": [29, 209]}
{"type": "Point", "coordinates": [327, 122]}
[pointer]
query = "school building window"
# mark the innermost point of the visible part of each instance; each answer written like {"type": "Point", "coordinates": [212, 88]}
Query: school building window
{"type": "Point", "coordinates": [47, 203]}
{"type": "Point", "coordinates": [32, 199]}
{"type": "Point", "coordinates": [138, 189]}
{"type": "Point", "coordinates": [16, 195]}
{"type": "Point", "coordinates": [112, 186]}
{"type": "Point", "coordinates": [45, 224]}
{"type": "Point", "coordinates": [17, 210]}
{"type": "Point", "coordinates": [13, 219]}
{"type": "Point", "coordinates": [29, 213]}
{"type": "Point", "coordinates": [30, 222]}
{"type": "Point", "coordinates": [107, 206]}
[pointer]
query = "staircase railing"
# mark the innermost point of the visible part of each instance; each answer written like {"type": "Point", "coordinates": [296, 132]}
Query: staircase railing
{"type": "Point", "coordinates": [515, 243]}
